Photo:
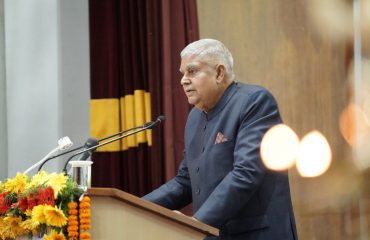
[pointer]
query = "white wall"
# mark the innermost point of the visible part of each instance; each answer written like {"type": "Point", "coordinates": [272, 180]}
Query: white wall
{"type": "Point", "coordinates": [3, 130]}
{"type": "Point", "coordinates": [47, 78]}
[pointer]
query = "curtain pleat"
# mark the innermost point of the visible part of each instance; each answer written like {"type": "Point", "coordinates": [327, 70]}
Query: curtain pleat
{"type": "Point", "coordinates": [134, 50]}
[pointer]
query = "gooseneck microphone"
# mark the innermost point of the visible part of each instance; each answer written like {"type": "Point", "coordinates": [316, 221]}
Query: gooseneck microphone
{"type": "Point", "coordinates": [90, 143]}
{"type": "Point", "coordinates": [149, 125]}
{"type": "Point", "coordinates": [159, 119]}
{"type": "Point", "coordinates": [63, 144]}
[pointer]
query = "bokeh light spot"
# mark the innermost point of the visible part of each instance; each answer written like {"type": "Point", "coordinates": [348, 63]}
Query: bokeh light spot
{"type": "Point", "coordinates": [279, 147]}
{"type": "Point", "coordinates": [314, 155]}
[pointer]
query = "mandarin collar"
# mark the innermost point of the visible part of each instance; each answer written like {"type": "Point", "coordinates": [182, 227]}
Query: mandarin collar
{"type": "Point", "coordinates": [229, 92]}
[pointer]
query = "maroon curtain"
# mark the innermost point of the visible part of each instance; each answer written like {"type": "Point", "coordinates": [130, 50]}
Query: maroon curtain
{"type": "Point", "coordinates": [135, 44]}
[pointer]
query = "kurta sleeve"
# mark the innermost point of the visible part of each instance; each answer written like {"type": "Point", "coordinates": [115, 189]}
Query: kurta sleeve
{"type": "Point", "coordinates": [176, 193]}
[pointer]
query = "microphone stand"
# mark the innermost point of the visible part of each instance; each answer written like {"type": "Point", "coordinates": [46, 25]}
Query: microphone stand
{"type": "Point", "coordinates": [143, 128]}
{"type": "Point", "coordinates": [105, 138]}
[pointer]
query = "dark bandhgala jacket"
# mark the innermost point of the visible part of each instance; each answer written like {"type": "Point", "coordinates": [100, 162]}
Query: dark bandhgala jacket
{"type": "Point", "coordinates": [222, 173]}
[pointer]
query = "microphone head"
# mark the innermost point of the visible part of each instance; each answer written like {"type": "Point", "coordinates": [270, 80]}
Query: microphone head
{"type": "Point", "coordinates": [161, 118]}
{"type": "Point", "coordinates": [64, 143]}
{"type": "Point", "coordinates": [154, 124]}
{"type": "Point", "coordinates": [91, 142]}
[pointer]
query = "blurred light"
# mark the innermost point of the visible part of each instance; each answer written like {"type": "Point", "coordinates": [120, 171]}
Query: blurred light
{"type": "Point", "coordinates": [279, 147]}
{"type": "Point", "coordinates": [332, 17]}
{"type": "Point", "coordinates": [314, 155]}
{"type": "Point", "coordinates": [353, 124]}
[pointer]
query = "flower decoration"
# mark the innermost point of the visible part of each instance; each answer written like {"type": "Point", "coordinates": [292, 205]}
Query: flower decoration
{"type": "Point", "coordinates": [37, 206]}
{"type": "Point", "coordinates": [85, 218]}
{"type": "Point", "coordinates": [72, 221]}
{"type": "Point", "coordinates": [54, 235]}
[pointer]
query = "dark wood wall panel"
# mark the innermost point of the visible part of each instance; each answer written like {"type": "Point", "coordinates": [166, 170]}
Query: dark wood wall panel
{"type": "Point", "coordinates": [275, 45]}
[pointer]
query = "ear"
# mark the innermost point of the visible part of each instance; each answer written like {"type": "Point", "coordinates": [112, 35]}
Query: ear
{"type": "Point", "coordinates": [221, 72]}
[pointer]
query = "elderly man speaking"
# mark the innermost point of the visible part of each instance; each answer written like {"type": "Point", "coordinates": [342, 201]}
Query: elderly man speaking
{"type": "Point", "coordinates": [222, 173]}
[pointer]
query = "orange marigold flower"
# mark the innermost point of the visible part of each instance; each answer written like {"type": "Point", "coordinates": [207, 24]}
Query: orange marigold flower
{"type": "Point", "coordinates": [85, 235]}
{"type": "Point", "coordinates": [85, 215]}
{"type": "Point", "coordinates": [85, 226]}
{"type": "Point", "coordinates": [73, 223]}
{"type": "Point", "coordinates": [72, 211]}
{"type": "Point", "coordinates": [84, 205]}
{"type": "Point", "coordinates": [72, 228]}
{"type": "Point", "coordinates": [85, 221]}
{"type": "Point", "coordinates": [73, 234]}
{"type": "Point", "coordinates": [72, 205]}
{"type": "Point", "coordinates": [72, 218]}
{"type": "Point", "coordinates": [85, 199]}
{"type": "Point", "coordinates": [85, 210]}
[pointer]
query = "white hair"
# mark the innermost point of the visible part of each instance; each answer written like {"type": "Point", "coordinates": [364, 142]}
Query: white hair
{"type": "Point", "coordinates": [211, 51]}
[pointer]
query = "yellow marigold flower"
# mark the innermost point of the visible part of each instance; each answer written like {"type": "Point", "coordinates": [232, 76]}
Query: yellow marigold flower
{"type": "Point", "coordinates": [2, 188]}
{"type": "Point", "coordinates": [12, 227]}
{"type": "Point", "coordinates": [30, 224]}
{"type": "Point", "coordinates": [54, 236]}
{"type": "Point", "coordinates": [39, 179]}
{"type": "Point", "coordinates": [55, 216]}
{"type": "Point", "coordinates": [38, 214]}
{"type": "Point", "coordinates": [57, 182]}
{"type": "Point", "coordinates": [28, 212]}
{"type": "Point", "coordinates": [16, 184]}
{"type": "Point", "coordinates": [2, 227]}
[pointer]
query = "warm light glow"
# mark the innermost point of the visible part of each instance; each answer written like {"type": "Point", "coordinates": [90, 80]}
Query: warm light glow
{"type": "Point", "coordinates": [279, 147]}
{"type": "Point", "coordinates": [314, 155]}
{"type": "Point", "coordinates": [353, 121]}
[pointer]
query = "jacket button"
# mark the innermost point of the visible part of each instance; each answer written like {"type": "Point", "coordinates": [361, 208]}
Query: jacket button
{"type": "Point", "coordinates": [197, 191]}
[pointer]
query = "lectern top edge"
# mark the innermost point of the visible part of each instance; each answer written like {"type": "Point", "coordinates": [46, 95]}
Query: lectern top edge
{"type": "Point", "coordinates": [153, 208]}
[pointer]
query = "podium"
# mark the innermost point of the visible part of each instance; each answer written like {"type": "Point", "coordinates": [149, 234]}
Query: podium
{"type": "Point", "coordinates": [117, 215]}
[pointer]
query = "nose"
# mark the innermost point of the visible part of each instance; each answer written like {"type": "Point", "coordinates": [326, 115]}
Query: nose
{"type": "Point", "coordinates": [185, 80]}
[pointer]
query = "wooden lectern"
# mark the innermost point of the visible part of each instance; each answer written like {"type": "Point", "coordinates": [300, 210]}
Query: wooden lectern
{"type": "Point", "coordinates": [119, 215]}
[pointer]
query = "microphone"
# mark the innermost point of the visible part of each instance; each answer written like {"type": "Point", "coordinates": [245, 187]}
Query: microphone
{"type": "Point", "coordinates": [47, 158]}
{"type": "Point", "coordinates": [159, 119]}
{"type": "Point", "coordinates": [91, 142]}
{"type": "Point", "coordinates": [63, 144]}
{"type": "Point", "coordinates": [146, 126]}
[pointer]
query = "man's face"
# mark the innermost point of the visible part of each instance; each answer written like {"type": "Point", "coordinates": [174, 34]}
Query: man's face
{"type": "Point", "coordinates": [200, 83]}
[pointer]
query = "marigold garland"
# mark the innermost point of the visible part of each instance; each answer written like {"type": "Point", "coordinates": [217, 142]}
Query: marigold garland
{"type": "Point", "coordinates": [85, 218]}
{"type": "Point", "coordinates": [72, 228]}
